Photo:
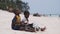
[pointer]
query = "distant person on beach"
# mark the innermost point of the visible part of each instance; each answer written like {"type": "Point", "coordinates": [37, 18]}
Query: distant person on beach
{"type": "Point", "coordinates": [16, 20]}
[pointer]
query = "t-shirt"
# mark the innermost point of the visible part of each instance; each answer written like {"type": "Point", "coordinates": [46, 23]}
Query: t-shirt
{"type": "Point", "coordinates": [26, 21]}
{"type": "Point", "coordinates": [16, 19]}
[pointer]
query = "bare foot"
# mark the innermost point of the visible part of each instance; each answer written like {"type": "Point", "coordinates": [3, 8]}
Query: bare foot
{"type": "Point", "coordinates": [43, 29]}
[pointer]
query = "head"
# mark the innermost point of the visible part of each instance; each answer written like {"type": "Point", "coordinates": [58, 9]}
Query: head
{"type": "Point", "coordinates": [17, 12]}
{"type": "Point", "coordinates": [26, 14]}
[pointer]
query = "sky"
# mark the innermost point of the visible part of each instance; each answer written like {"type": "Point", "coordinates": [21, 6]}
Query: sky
{"type": "Point", "coordinates": [44, 6]}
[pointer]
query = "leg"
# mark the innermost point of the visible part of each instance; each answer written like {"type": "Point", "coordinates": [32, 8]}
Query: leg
{"type": "Point", "coordinates": [30, 25]}
{"type": "Point", "coordinates": [16, 27]}
{"type": "Point", "coordinates": [22, 27]}
{"type": "Point", "coordinates": [30, 28]}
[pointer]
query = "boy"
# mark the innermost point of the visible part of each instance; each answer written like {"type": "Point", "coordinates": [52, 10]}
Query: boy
{"type": "Point", "coordinates": [16, 20]}
{"type": "Point", "coordinates": [29, 26]}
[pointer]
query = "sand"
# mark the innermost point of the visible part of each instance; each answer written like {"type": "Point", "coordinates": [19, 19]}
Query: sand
{"type": "Point", "coordinates": [52, 24]}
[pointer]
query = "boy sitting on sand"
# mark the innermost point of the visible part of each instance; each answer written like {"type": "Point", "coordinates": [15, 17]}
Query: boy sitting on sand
{"type": "Point", "coordinates": [16, 20]}
{"type": "Point", "coordinates": [25, 20]}
{"type": "Point", "coordinates": [29, 26]}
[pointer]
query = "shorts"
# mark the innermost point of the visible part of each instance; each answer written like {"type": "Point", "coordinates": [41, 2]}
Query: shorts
{"type": "Point", "coordinates": [16, 27]}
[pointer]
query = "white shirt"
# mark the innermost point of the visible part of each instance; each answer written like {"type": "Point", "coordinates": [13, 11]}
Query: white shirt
{"type": "Point", "coordinates": [25, 20]}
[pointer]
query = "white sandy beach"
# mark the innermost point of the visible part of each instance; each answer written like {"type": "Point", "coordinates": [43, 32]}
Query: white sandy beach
{"type": "Point", "coordinates": [52, 24]}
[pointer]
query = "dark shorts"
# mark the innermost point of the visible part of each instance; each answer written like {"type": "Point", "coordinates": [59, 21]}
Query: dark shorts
{"type": "Point", "coordinates": [16, 27]}
{"type": "Point", "coordinates": [30, 25]}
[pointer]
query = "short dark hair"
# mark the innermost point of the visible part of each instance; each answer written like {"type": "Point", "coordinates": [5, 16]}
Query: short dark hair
{"type": "Point", "coordinates": [15, 10]}
{"type": "Point", "coordinates": [26, 12]}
